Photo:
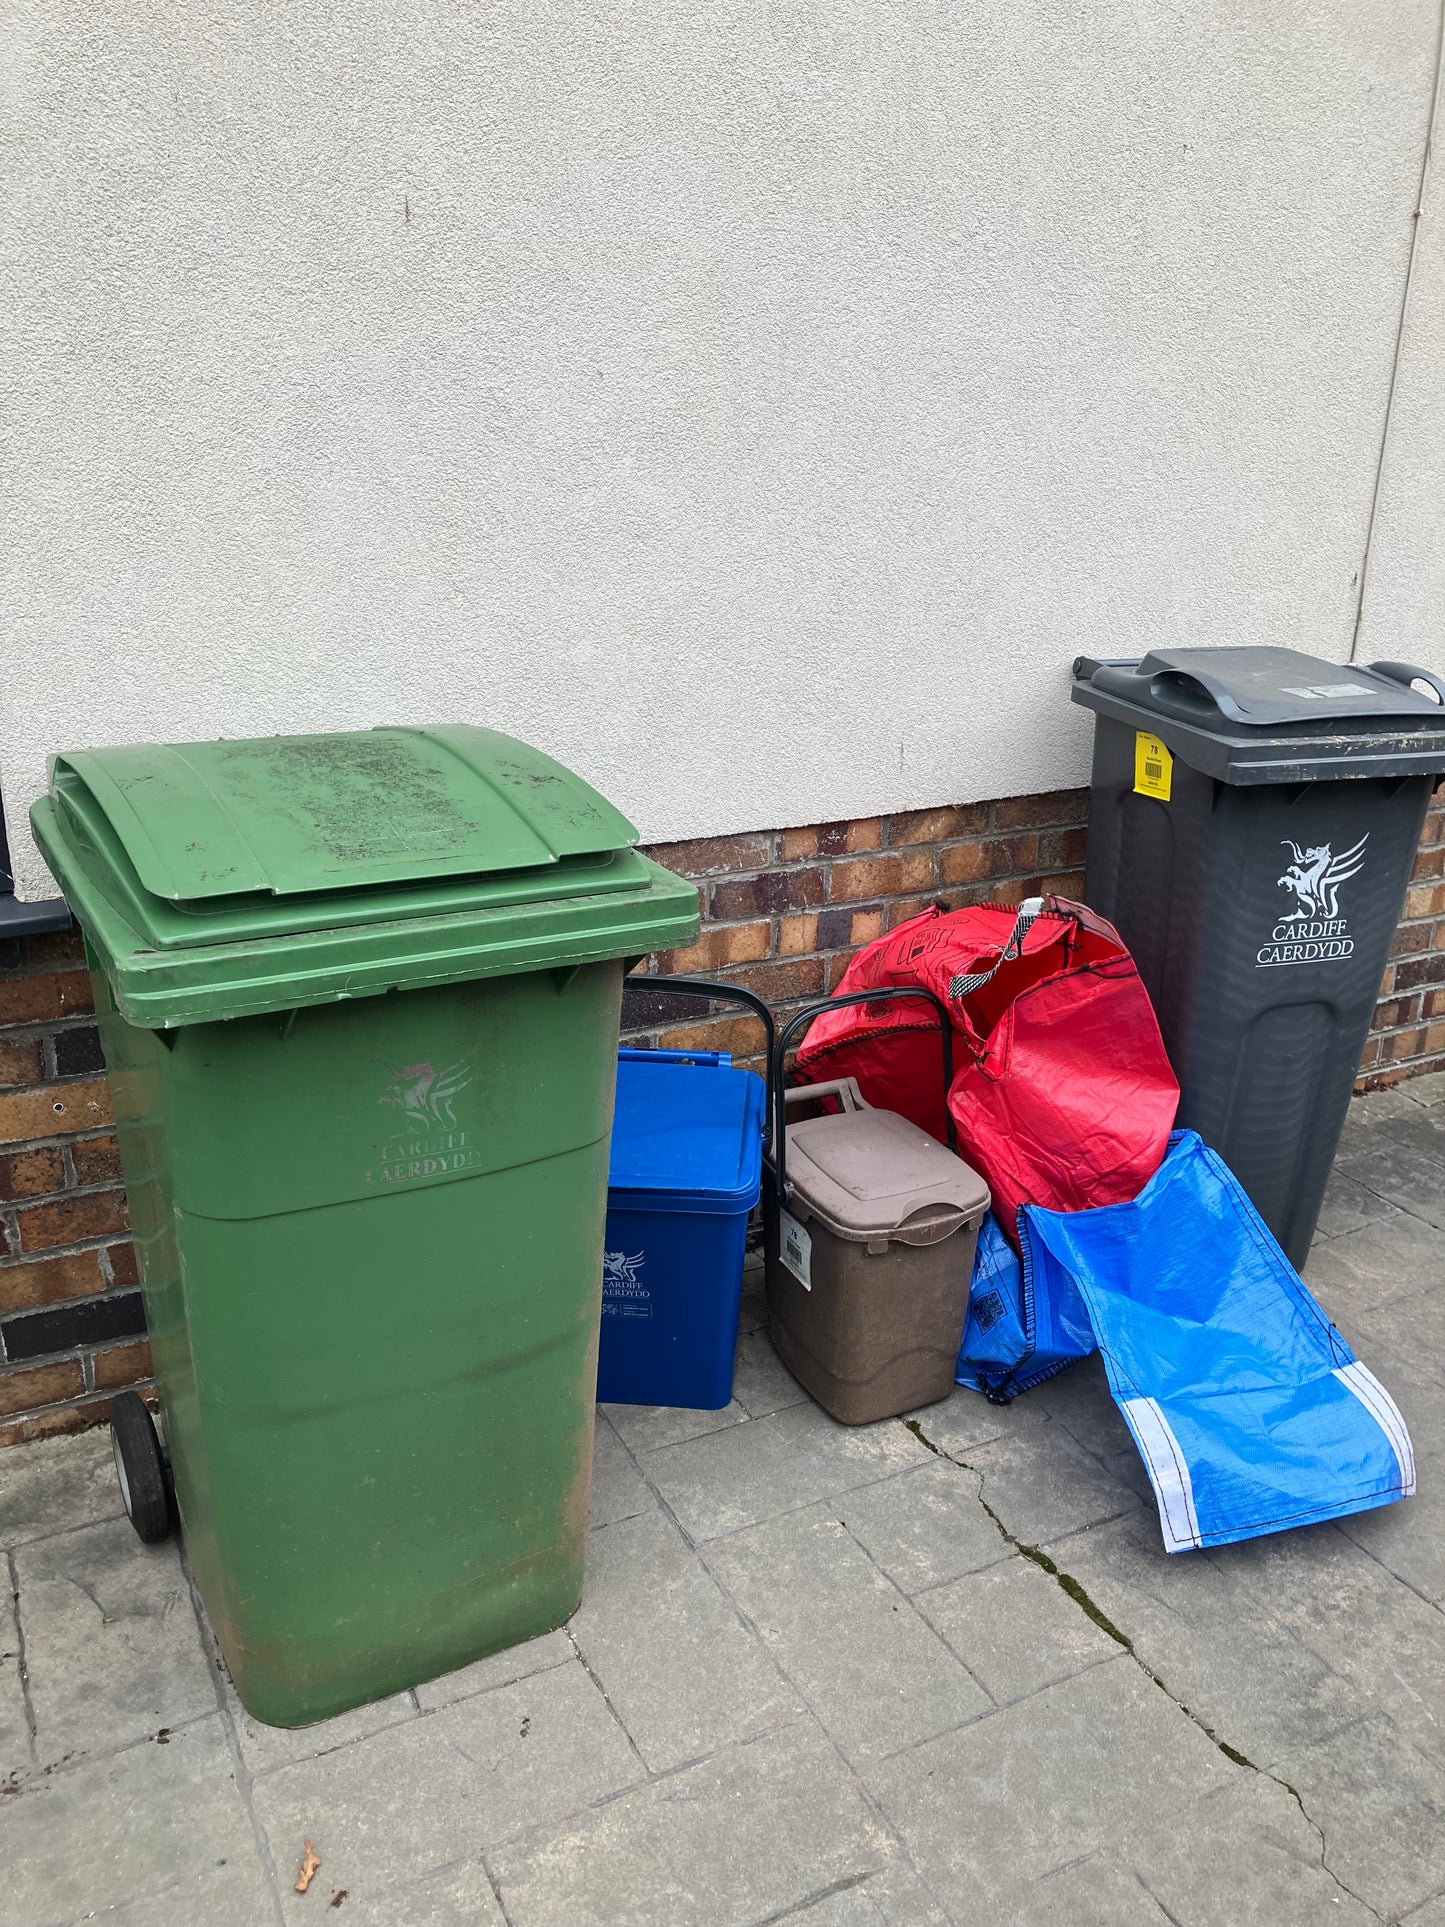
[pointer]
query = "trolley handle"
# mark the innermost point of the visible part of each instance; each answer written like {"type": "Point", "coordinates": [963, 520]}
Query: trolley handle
{"type": "Point", "coordinates": [806, 1015]}
{"type": "Point", "coordinates": [725, 993]}
{"type": "Point", "coordinates": [1407, 673]}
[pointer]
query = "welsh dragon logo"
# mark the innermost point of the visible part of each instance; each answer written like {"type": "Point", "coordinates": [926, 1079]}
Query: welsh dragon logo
{"type": "Point", "coordinates": [423, 1094]}
{"type": "Point", "coordinates": [620, 1271]}
{"type": "Point", "coordinates": [1315, 877]}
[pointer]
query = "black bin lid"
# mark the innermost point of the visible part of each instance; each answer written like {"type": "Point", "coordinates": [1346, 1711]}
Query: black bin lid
{"type": "Point", "coordinates": [1264, 715]}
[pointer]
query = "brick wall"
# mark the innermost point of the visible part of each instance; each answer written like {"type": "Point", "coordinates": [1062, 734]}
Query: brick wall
{"type": "Point", "coordinates": [1408, 1035]}
{"type": "Point", "coordinates": [71, 1325]}
{"type": "Point", "coordinates": [783, 910]}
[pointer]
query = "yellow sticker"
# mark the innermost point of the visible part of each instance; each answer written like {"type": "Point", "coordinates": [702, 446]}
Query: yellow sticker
{"type": "Point", "coordinates": [1153, 766]}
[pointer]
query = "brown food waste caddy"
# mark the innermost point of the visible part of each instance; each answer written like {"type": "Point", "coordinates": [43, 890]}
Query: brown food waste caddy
{"type": "Point", "coordinates": [870, 1258]}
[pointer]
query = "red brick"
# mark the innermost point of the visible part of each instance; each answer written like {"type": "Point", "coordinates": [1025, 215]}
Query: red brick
{"type": "Point", "coordinates": [800, 843]}
{"type": "Point", "coordinates": [123, 1365]}
{"type": "Point", "coordinates": [1409, 938]}
{"type": "Point", "coordinates": [53, 948]}
{"type": "Point", "coordinates": [1371, 1055]}
{"type": "Point", "coordinates": [20, 1060]}
{"type": "Point", "coordinates": [1416, 973]}
{"type": "Point", "coordinates": [741, 1035]}
{"type": "Point", "coordinates": [716, 855]}
{"type": "Point", "coordinates": [98, 1214]}
{"type": "Point", "coordinates": [864, 833]}
{"type": "Point", "coordinates": [720, 945]}
{"type": "Point", "coordinates": [55, 1110]}
{"type": "Point", "coordinates": [1070, 885]}
{"type": "Point", "coordinates": [22, 1390]}
{"type": "Point", "coordinates": [937, 826]}
{"type": "Point", "coordinates": [38, 1000]}
{"type": "Point", "coordinates": [782, 983]}
{"type": "Point", "coordinates": [1400, 1044]}
{"type": "Point", "coordinates": [1064, 807]}
{"type": "Point", "coordinates": [49, 1425]}
{"type": "Point", "coordinates": [882, 876]}
{"type": "Point", "coordinates": [798, 936]}
{"type": "Point", "coordinates": [837, 967]}
{"type": "Point", "coordinates": [122, 1261]}
{"type": "Point", "coordinates": [1063, 849]}
{"type": "Point", "coordinates": [1399, 1010]}
{"type": "Point", "coordinates": [832, 839]}
{"type": "Point", "coordinates": [1424, 900]}
{"type": "Point", "coordinates": [1008, 855]}
{"type": "Point", "coordinates": [1429, 864]}
{"type": "Point", "coordinates": [902, 912]}
{"type": "Point", "coordinates": [963, 863]}
{"type": "Point", "coordinates": [867, 924]}
{"type": "Point", "coordinates": [1434, 1039]}
{"type": "Point", "coordinates": [50, 1281]}
{"type": "Point", "coordinates": [31, 1174]}
{"type": "Point", "coordinates": [1432, 1004]}
{"type": "Point", "coordinates": [97, 1161]}
{"type": "Point", "coordinates": [768, 895]}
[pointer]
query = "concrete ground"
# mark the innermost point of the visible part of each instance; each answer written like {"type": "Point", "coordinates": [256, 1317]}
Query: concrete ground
{"type": "Point", "coordinates": [825, 1677]}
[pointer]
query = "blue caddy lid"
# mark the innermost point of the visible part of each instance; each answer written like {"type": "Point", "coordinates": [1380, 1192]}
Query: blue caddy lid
{"type": "Point", "coordinates": [690, 1130]}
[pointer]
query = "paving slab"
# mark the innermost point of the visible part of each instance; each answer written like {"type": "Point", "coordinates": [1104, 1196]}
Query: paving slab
{"type": "Point", "coordinates": [1409, 1332]}
{"type": "Point", "coordinates": [965, 1419]}
{"type": "Point", "coordinates": [1428, 1090]}
{"type": "Point", "coordinates": [1096, 1764]}
{"type": "Point", "coordinates": [1095, 1890]}
{"type": "Point", "coordinates": [762, 1383]}
{"type": "Point", "coordinates": [112, 1647]}
{"type": "Point", "coordinates": [17, 1755]}
{"type": "Point", "coordinates": [894, 1896]}
{"type": "Point", "coordinates": [1430, 1913]}
{"type": "Point", "coordinates": [1221, 1645]}
{"type": "Point", "coordinates": [264, 1748]}
{"type": "Point", "coordinates": [682, 1671]}
{"type": "Point", "coordinates": [1381, 1638]}
{"type": "Point", "coordinates": [1398, 1158]}
{"type": "Point", "coordinates": [647, 1427]}
{"type": "Point", "coordinates": [457, 1896]}
{"type": "Point", "coordinates": [157, 1832]}
{"type": "Point", "coordinates": [416, 1796]}
{"type": "Point", "coordinates": [753, 1308]}
{"type": "Point", "coordinates": [1378, 1802]}
{"type": "Point", "coordinates": [1385, 1260]}
{"type": "Point", "coordinates": [618, 1489]}
{"type": "Point", "coordinates": [773, 1465]}
{"type": "Point", "coordinates": [1268, 1875]}
{"type": "Point", "coordinates": [1042, 1484]}
{"type": "Point", "coordinates": [1347, 1206]}
{"type": "Point", "coordinates": [743, 1837]}
{"type": "Point", "coordinates": [924, 1526]}
{"type": "Point", "coordinates": [1015, 1628]}
{"type": "Point", "coordinates": [1079, 1400]}
{"type": "Point", "coordinates": [1409, 1539]}
{"type": "Point", "coordinates": [873, 1671]}
{"type": "Point", "coordinates": [56, 1485]}
{"type": "Point", "coordinates": [497, 1669]}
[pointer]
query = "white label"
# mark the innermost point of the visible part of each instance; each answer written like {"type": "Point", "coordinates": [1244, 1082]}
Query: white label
{"type": "Point", "coordinates": [624, 1295]}
{"type": "Point", "coordinates": [795, 1248]}
{"type": "Point", "coordinates": [1320, 692]}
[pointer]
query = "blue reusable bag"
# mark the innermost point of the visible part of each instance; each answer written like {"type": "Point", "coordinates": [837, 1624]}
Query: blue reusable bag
{"type": "Point", "coordinates": [1015, 1336]}
{"type": "Point", "coordinates": [1250, 1411]}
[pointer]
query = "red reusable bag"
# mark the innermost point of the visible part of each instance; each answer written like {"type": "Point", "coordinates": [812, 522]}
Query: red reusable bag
{"type": "Point", "coordinates": [1063, 1096]}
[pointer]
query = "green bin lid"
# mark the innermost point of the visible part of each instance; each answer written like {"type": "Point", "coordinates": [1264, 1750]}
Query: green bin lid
{"type": "Point", "coordinates": [219, 879]}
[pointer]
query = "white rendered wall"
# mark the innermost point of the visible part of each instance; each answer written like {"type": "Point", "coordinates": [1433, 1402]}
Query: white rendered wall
{"type": "Point", "coordinates": [756, 405]}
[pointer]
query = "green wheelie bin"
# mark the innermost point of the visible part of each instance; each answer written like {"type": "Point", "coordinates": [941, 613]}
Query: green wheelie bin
{"type": "Point", "coordinates": [359, 998]}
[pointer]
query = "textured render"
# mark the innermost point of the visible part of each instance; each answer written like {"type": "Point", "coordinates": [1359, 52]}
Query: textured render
{"type": "Point", "coordinates": [756, 408]}
{"type": "Point", "coordinates": [819, 1677]}
{"type": "Point", "coordinates": [1404, 605]}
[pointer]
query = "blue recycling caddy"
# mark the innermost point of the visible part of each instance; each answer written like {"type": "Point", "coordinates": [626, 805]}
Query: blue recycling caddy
{"type": "Point", "coordinates": [687, 1146]}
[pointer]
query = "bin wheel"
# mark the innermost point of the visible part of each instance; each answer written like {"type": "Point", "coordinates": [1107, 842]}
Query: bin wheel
{"type": "Point", "coordinates": [140, 1468]}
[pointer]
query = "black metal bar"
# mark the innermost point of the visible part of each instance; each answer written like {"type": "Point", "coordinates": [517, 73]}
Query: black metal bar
{"type": "Point", "coordinates": [806, 1015]}
{"type": "Point", "coordinates": [724, 993]}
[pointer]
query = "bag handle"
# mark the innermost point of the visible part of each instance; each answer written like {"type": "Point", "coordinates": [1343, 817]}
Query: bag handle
{"type": "Point", "coordinates": [806, 1016]}
{"type": "Point", "coordinates": [725, 993]}
{"type": "Point", "coordinates": [1030, 910]}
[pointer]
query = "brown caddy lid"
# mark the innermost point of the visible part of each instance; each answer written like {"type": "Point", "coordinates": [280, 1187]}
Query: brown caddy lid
{"type": "Point", "coordinates": [865, 1173]}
